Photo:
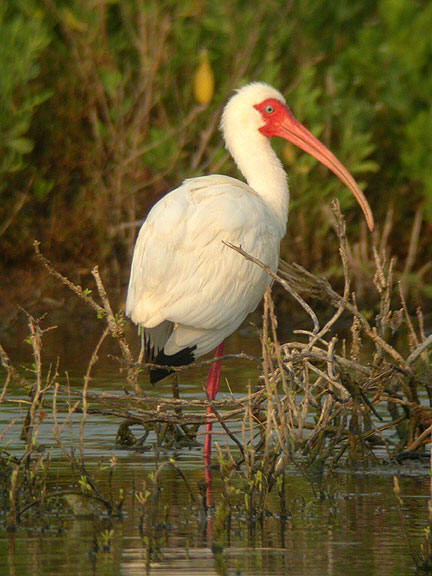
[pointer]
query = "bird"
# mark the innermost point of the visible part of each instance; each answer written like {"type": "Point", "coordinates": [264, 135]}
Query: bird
{"type": "Point", "coordinates": [188, 290]}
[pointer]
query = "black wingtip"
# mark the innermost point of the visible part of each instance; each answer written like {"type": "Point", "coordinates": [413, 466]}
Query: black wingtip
{"type": "Point", "coordinates": [181, 358]}
{"type": "Point", "coordinates": [157, 374]}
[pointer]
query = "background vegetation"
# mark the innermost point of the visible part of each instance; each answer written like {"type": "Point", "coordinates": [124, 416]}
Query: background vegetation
{"type": "Point", "coordinates": [98, 118]}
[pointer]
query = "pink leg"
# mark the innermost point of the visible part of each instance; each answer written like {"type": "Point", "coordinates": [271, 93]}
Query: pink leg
{"type": "Point", "coordinates": [212, 389]}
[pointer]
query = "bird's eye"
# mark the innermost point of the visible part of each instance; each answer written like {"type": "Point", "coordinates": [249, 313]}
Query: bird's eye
{"type": "Point", "coordinates": [269, 109]}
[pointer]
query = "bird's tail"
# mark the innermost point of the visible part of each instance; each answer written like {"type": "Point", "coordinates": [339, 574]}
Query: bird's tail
{"type": "Point", "coordinates": [155, 340]}
{"type": "Point", "coordinates": [181, 358]}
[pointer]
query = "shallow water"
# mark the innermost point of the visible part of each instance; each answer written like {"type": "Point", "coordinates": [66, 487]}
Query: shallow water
{"type": "Point", "coordinates": [354, 528]}
{"type": "Point", "coordinates": [357, 532]}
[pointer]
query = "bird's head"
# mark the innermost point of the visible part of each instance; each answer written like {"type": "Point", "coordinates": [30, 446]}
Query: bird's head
{"type": "Point", "coordinates": [272, 117]}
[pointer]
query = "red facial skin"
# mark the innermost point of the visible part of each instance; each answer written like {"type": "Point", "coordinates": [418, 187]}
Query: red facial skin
{"type": "Point", "coordinates": [274, 119]}
{"type": "Point", "coordinates": [279, 121]}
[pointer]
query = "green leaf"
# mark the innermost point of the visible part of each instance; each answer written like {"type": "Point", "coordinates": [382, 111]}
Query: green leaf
{"type": "Point", "coordinates": [111, 79]}
{"type": "Point", "coordinates": [21, 145]}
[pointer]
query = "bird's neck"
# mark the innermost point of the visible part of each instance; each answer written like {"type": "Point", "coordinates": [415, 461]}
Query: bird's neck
{"type": "Point", "coordinates": [264, 173]}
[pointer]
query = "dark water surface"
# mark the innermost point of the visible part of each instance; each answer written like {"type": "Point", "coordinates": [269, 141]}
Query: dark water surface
{"type": "Point", "coordinates": [354, 528]}
{"type": "Point", "coordinates": [357, 532]}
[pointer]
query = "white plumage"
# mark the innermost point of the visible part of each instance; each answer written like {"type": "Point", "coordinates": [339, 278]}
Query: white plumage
{"type": "Point", "coordinates": [187, 289]}
{"type": "Point", "coordinates": [184, 273]}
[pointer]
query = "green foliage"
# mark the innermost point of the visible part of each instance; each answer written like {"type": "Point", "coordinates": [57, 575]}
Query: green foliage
{"type": "Point", "coordinates": [416, 153]}
{"type": "Point", "coordinates": [121, 126]}
{"type": "Point", "coordinates": [391, 61]}
{"type": "Point", "coordinates": [22, 41]}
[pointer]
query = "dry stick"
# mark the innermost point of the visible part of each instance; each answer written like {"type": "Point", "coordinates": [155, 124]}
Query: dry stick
{"type": "Point", "coordinates": [355, 342]}
{"type": "Point", "coordinates": [249, 453]}
{"type": "Point", "coordinates": [280, 281]}
{"type": "Point", "coordinates": [413, 244]}
{"type": "Point", "coordinates": [76, 288]}
{"type": "Point", "coordinates": [380, 280]}
{"type": "Point", "coordinates": [279, 415]}
{"type": "Point", "coordinates": [383, 282]}
{"type": "Point", "coordinates": [276, 344]}
{"type": "Point", "coordinates": [319, 355]}
{"type": "Point", "coordinates": [321, 425]}
{"type": "Point", "coordinates": [12, 373]}
{"type": "Point", "coordinates": [116, 328]}
{"type": "Point", "coordinates": [327, 377]}
{"type": "Point", "coordinates": [400, 401]}
{"type": "Point", "coordinates": [8, 427]}
{"type": "Point", "coordinates": [142, 350]}
{"type": "Point", "coordinates": [308, 400]}
{"type": "Point", "coordinates": [331, 357]}
{"type": "Point", "coordinates": [197, 364]}
{"type": "Point", "coordinates": [388, 225]}
{"type": "Point", "coordinates": [92, 362]}
{"type": "Point", "coordinates": [162, 417]}
{"type": "Point", "coordinates": [335, 299]}
{"type": "Point", "coordinates": [59, 429]}
{"type": "Point", "coordinates": [4, 359]}
{"type": "Point", "coordinates": [267, 369]}
{"type": "Point", "coordinates": [430, 483]}
{"type": "Point", "coordinates": [220, 419]}
{"type": "Point", "coordinates": [384, 285]}
{"type": "Point", "coordinates": [343, 249]}
{"type": "Point", "coordinates": [28, 429]}
{"type": "Point", "coordinates": [166, 403]}
{"type": "Point", "coordinates": [338, 436]}
{"type": "Point", "coordinates": [418, 351]}
{"type": "Point", "coordinates": [105, 311]}
{"type": "Point", "coordinates": [380, 429]}
{"type": "Point", "coordinates": [289, 367]}
{"type": "Point", "coordinates": [149, 416]}
{"type": "Point", "coordinates": [407, 317]}
{"type": "Point", "coordinates": [22, 199]}
{"type": "Point", "coordinates": [416, 443]}
{"type": "Point", "coordinates": [420, 322]}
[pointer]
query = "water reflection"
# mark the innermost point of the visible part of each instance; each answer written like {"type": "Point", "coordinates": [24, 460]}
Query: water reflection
{"type": "Point", "coordinates": [357, 533]}
{"type": "Point", "coordinates": [354, 530]}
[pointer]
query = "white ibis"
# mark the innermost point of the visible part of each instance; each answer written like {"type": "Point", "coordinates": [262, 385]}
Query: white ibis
{"type": "Point", "coordinates": [187, 289]}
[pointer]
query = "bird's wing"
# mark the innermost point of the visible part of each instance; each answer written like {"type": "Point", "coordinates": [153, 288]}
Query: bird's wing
{"type": "Point", "coordinates": [183, 272]}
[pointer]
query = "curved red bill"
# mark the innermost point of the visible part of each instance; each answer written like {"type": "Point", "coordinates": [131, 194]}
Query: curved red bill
{"type": "Point", "coordinates": [290, 129]}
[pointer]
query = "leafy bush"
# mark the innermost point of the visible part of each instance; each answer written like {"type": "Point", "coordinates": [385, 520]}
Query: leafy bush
{"type": "Point", "coordinates": [392, 65]}
{"type": "Point", "coordinates": [122, 127]}
{"type": "Point", "coordinates": [22, 42]}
